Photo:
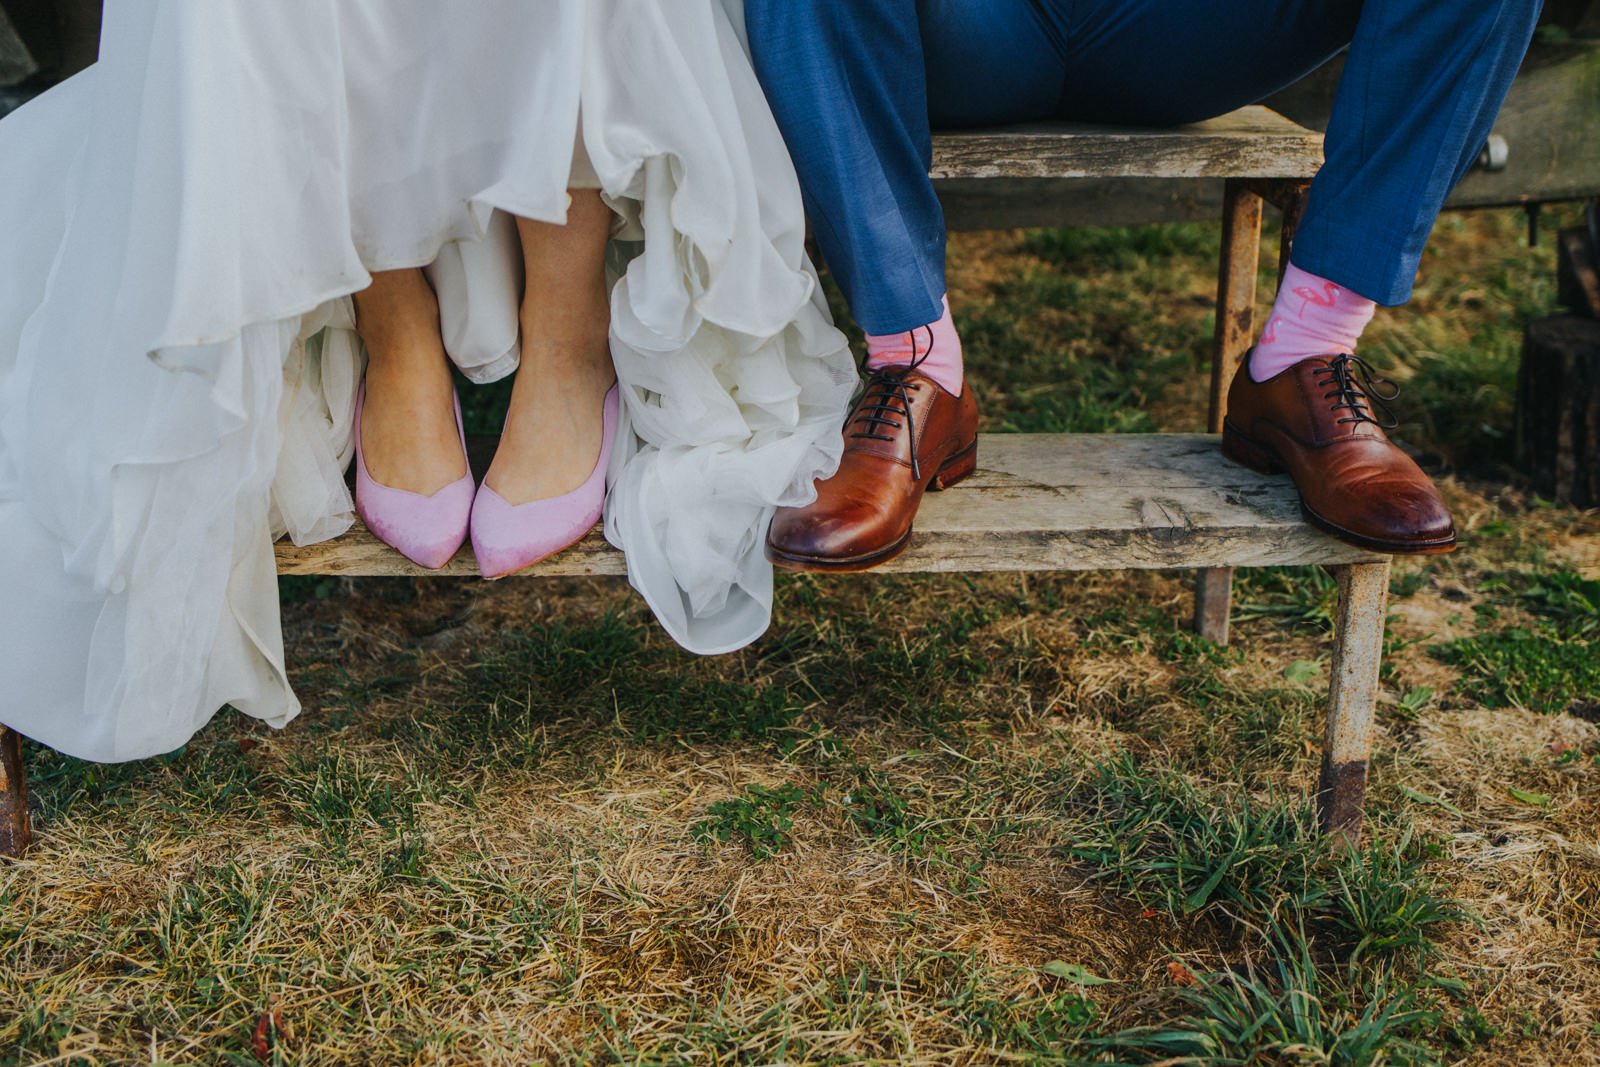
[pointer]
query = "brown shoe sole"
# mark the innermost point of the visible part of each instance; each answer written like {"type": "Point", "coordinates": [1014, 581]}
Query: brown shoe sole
{"type": "Point", "coordinates": [955, 469]}
{"type": "Point", "coordinates": [1263, 458]}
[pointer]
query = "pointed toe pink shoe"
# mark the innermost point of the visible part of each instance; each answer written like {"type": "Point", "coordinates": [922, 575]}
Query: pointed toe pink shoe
{"type": "Point", "coordinates": [508, 537]}
{"type": "Point", "coordinates": [425, 529]}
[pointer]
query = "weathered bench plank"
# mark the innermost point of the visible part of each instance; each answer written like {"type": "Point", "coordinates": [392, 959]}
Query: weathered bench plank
{"type": "Point", "coordinates": [1252, 142]}
{"type": "Point", "coordinates": [1037, 502]}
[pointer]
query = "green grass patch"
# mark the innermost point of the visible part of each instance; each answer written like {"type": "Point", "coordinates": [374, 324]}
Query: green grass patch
{"type": "Point", "coordinates": [1291, 1012]}
{"type": "Point", "coordinates": [1550, 663]}
{"type": "Point", "coordinates": [1123, 248]}
{"type": "Point", "coordinates": [888, 815]}
{"type": "Point", "coordinates": [1535, 669]}
{"type": "Point", "coordinates": [1159, 837]}
{"type": "Point", "coordinates": [1568, 602]}
{"type": "Point", "coordinates": [1299, 597]}
{"type": "Point", "coordinates": [1188, 850]}
{"type": "Point", "coordinates": [760, 818]}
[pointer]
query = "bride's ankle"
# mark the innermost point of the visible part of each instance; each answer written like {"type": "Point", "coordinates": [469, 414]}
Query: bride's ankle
{"type": "Point", "coordinates": [580, 360]}
{"type": "Point", "coordinates": [416, 378]}
{"type": "Point", "coordinates": [397, 317]}
{"type": "Point", "coordinates": [568, 332]}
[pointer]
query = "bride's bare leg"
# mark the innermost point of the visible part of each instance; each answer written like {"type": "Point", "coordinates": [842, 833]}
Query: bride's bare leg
{"type": "Point", "coordinates": [408, 431]}
{"type": "Point", "coordinates": [553, 429]}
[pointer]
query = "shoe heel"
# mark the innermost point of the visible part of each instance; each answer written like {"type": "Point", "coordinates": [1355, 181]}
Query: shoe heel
{"type": "Point", "coordinates": [956, 468]}
{"type": "Point", "coordinates": [1245, 452]}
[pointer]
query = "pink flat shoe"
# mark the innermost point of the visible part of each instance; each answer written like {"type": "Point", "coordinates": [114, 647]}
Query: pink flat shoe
{"type": "Point", "coordinates": [425, 529]}
{"type": "Point", "coordinates": [508, 537]}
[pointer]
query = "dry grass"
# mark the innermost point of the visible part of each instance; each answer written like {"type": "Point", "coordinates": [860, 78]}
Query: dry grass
{"type": "Point", "coordinates": [516, 824]}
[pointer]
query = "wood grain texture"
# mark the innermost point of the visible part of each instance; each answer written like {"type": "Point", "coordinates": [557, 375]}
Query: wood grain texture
{"type": "Point", "coordinates": [1251, 142]}
{"type": "Point", "coordinates": [1037, 502]}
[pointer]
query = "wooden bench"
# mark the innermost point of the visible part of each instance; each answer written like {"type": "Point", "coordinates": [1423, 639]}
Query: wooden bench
{"type": "Point", "coordinates": [1074, 501]}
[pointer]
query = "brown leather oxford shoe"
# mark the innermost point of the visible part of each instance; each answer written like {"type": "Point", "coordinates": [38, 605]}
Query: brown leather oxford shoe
{"type": "Point", "coordinates": [904, 436]}
{"type": "Point", "coordinates": [1316, 421]}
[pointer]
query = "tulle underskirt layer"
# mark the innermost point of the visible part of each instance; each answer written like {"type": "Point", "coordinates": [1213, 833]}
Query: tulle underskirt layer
{"type": "Point", "coordinates": [185, 222]}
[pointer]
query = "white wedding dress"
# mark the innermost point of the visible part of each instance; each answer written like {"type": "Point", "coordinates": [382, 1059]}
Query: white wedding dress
{"type": "Point", "coordinates": [182, 227]}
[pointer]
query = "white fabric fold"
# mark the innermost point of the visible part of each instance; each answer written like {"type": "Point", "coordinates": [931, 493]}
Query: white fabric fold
{"type": "Point", "coordinates": [185, 222]}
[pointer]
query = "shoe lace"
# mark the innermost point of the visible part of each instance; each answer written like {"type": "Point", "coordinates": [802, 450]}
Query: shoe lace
{"type": "Point", "coordinates": [885, 404]}
{"type": "Point", "coordinates": [1357, 389]}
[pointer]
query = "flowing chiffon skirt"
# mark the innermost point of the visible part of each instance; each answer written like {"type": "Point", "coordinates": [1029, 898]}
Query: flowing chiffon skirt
{"type": "Point", "coordinates": [184, 223]}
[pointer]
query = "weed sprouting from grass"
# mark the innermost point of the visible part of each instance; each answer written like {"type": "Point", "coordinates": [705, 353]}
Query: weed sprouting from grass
{"type": "Point", "coordinates": [1567, 601]}
{"type": "Point", "coordinates": [1409, 581]}
{"type": "Point", "coordinates": [1156, 835]}
{"type": "Point", "coordinates": [1257, 862]}
{"type": "Point", "coordinates": [567, 657]}
{"type": "Point", "coordinates": [1291, 1012]}
{"type": "Point", "coordinates": [1086, 379]}
{"type": "Point", "coordinates": [761, 817]}
{"type": "Point", "coordinates": [1293, 596]}
{"type": "Point", "coordinates": [1183, 644]}
{"type": "Point", "coordinates": [883, 813]}
{"type": "Point", "coordinates": [1383, 901]}
{"type": "Point", "coordinates": [1055, 1020]}
{"type": "Point", "coordinates": [210, 777]}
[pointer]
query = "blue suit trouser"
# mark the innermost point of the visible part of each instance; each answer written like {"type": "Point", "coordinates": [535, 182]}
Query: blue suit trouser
{"type": "Point", "coordinates": [856, 86]}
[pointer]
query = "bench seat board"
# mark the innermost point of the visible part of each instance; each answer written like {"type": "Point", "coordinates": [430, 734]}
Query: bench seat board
{"type": "Point", "coordinates": [1252, 142]}
{"type": "Point", "coordinates": [1037, 502]}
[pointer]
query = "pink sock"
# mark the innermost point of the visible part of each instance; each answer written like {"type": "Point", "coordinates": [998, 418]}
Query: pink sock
{"type": "Point", "coordinates": [1311, 317]}
{"type": "Point", "coordinates": [935, 347]}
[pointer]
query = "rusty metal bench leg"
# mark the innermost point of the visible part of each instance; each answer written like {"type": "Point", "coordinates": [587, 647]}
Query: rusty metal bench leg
{"type": "Point", "coordinates": [16, 828]}
{"type": "Point", "coordinates": [1236, 291]}
{"type": "Point", "coordinates": [1236, 314]}
{"type": "Point", "coordinates": [1352, 695]}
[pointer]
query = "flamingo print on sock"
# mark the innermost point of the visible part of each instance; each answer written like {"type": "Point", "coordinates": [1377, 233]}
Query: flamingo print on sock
{"type": "Point", "coordinates": [1309, 296]}
{"type": "Point", "coordinates": [1328, 319]}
